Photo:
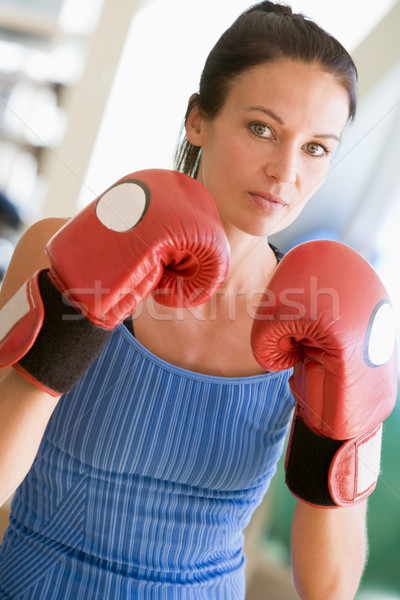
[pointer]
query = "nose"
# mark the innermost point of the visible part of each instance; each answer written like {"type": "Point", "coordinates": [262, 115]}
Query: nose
{"type": "Point", "coordinates": [282, 164]}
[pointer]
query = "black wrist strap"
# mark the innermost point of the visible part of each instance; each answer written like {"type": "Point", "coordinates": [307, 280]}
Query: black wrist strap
{"type": "Point", "coordinates": [67, 343]}
{"type": "Point", "coordinates": [307, 464]}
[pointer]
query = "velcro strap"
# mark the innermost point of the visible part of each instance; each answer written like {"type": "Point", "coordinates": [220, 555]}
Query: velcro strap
{"type": "Point", "coordinates": [355, 468]}
{"type": "Point", "coordinates": [20, 321]}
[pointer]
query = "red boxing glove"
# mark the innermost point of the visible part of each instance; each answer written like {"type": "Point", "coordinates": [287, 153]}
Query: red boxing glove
{"type": "Point", "coordinates": [153, 231]}
{"type": "Point", "coordinates": [327, 313]}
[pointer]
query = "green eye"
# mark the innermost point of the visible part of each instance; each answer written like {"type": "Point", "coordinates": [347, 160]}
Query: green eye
{"type": "Point", "coordinates": [260, 129]}
{"type": "Point", "coordinates": [316, 149]}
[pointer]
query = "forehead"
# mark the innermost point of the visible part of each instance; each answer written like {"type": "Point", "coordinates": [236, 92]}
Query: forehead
{"type": "Point", "coordinates": [296, 91]}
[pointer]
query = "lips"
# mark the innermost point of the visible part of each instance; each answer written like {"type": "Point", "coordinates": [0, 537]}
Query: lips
{"type": "Point", "coordinates": [268, 203]}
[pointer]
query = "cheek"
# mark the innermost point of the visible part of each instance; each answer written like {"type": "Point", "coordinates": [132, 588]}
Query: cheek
{"type": "Point", "coordinates": [313, 177]}
{"type": "Point", "coordinates": [220, 165]}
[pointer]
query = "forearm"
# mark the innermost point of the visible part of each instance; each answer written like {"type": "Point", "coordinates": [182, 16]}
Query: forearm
{"type": "Point", "coordinates": [24, 414]}
{"type": "Point", "coordinates": [329, 548]}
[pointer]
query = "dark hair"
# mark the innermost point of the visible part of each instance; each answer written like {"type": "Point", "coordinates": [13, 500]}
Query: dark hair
{"type": "Point", "coordinates": [264, 32]}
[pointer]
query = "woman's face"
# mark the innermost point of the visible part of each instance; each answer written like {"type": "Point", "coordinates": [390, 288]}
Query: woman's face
{"type": "Point", "coordinates": [268, 149]}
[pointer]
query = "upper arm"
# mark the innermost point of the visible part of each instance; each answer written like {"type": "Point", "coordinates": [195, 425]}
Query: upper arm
{"type": "Point", "coordinates": [29, 256]}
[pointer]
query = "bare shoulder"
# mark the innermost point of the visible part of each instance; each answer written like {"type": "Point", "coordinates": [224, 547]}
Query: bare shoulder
{"type": "Point", "coordinates": [29, 256]}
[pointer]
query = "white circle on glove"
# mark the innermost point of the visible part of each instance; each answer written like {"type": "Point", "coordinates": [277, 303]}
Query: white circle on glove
{"type": "Point", "coordinates": [123, 206]}
{"type": "Point", "coordinates": [380, 335]}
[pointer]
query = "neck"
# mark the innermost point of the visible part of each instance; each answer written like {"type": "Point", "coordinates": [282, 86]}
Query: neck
{"type": "Point", "coordinates": [252, 262]}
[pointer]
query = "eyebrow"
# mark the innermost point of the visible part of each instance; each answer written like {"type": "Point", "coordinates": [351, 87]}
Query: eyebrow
{"type": "Point", "coordinates": [270, 113]}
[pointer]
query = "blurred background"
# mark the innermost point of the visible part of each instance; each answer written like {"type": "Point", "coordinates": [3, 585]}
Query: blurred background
{"type": "Point", "coordinates": [92, 90]}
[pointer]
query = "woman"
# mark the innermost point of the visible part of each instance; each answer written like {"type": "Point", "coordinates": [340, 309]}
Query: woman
{"type": "Point", "coordinates": [135, 496]}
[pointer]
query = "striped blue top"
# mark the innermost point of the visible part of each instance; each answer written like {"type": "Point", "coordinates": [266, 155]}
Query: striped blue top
{"type": "Point", "coordinates": [145, 479]}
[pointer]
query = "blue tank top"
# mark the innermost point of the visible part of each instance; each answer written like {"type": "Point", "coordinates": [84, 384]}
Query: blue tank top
{"type": "Point", "coordinates": [144, 481]}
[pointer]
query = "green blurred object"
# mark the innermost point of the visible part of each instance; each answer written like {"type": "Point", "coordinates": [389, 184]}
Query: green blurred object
{"type": "Point", "coordinates": [383, 569]}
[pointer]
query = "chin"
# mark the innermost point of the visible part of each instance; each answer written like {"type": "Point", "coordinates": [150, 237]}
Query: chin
{"type": "Point", "coordinates": [268, 227]}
